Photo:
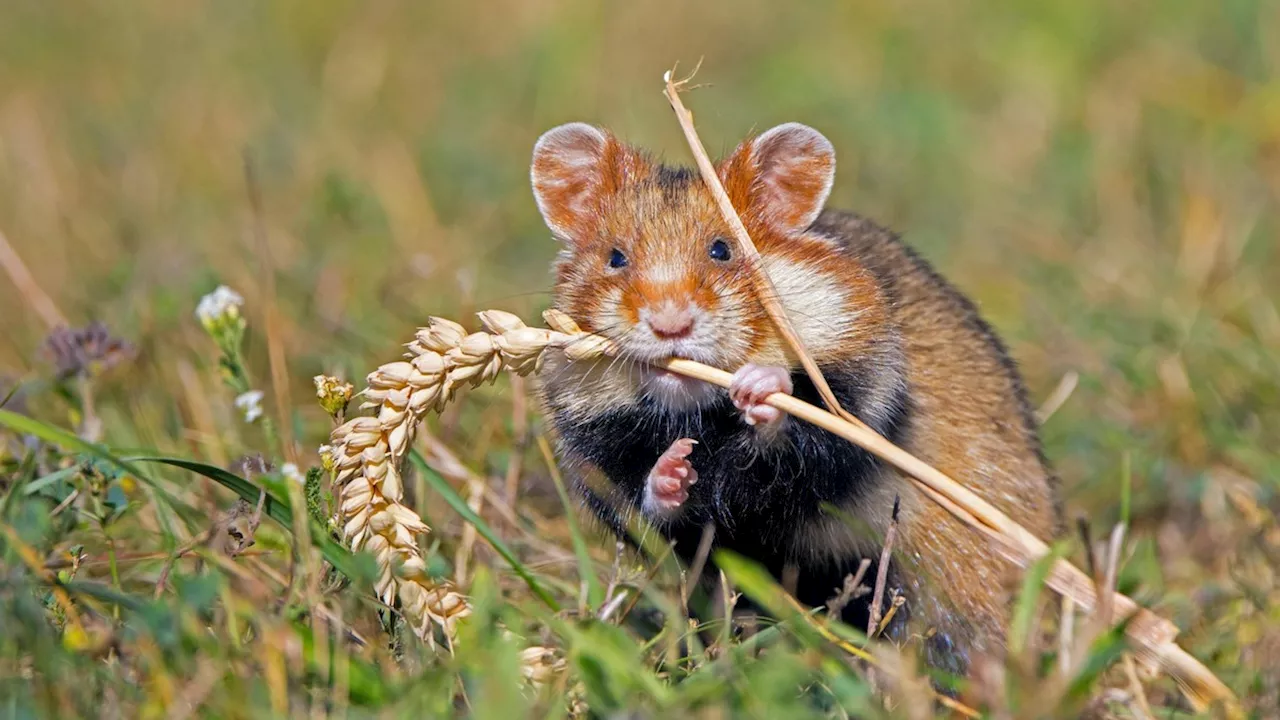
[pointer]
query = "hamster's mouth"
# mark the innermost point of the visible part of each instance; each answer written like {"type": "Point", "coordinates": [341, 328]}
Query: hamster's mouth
{"type": "Point", "coordinates": [673, 390]}
{"type": "Point", "coordinates": [664, 375]}
{"type": "Point", "coordinates": [668, 389]}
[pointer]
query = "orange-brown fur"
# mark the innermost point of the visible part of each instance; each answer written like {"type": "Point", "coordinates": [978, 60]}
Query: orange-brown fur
{"type": "Point", "coordinates": [859, 299]}
{"type": "Point", "coordinates": [971, 421]}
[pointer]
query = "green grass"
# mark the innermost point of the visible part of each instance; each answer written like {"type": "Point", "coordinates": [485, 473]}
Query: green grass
{"type": "Point", "coordinates": [1101, 178]}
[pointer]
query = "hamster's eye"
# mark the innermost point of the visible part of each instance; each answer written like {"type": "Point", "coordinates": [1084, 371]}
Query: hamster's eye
{"type": "Point", "coordinates": [720, 250]}
{"type": "Point", "coordinates": [617, 259]}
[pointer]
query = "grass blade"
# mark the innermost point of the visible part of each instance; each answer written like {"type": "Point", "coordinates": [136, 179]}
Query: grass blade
{"type": "Point", "coordinates": [20, 482]}
{"type": "Point", "coordinates": [460, 506]}
{"type": "Point", "coordinates": [37, 485]}
{"type": "Point", "coordinates": [9, 395]}
{"type": "Point", "coordinates": [70, 441]}
{"type": "Point", "coordinates": [1033, 585]}
{"type": "Point", "coordinates": [586, 569]}
{"type": "Point", "coordinates": [274, 507]}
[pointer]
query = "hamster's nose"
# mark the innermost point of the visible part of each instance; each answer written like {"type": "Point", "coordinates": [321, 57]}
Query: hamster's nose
{"type": "Point", "coordinates": [670, 321]}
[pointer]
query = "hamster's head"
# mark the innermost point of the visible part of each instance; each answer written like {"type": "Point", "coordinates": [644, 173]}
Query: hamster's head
{"type": "Point", "coordinates": [648, 261]}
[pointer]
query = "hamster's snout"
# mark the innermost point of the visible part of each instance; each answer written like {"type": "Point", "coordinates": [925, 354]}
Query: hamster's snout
{"type": "Point", "coordinates": [670, 320]}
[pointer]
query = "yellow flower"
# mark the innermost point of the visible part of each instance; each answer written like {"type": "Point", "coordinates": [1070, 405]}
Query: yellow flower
{"type": "Point", "coordinates": [334, 394]}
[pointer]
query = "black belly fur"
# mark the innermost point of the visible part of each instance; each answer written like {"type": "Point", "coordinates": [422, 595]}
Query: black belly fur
{"type": "Point", "coordinates": [756, 496]}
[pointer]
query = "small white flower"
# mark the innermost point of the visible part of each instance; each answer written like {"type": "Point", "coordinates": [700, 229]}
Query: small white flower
{"type": "Point", "coordinates": [250, 404]}
{"type": "Point", "coordinates": [218, 305]}
{"type": "Point", "coordinates": [290, 471]}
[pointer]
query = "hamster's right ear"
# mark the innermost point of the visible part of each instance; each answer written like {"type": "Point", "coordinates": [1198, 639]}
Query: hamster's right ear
{"type": "Point", "coordinates": [574, 167]}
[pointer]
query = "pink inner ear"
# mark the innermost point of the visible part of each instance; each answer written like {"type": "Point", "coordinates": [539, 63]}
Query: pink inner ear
{"type": "Point", "coordinates": [795, 166]}
{"type": "Point", "coordinates": [569, 175]}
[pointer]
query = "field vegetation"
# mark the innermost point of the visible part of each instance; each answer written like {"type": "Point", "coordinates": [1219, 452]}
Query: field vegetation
{"type": "Point", "coordinates": [1102, 178]}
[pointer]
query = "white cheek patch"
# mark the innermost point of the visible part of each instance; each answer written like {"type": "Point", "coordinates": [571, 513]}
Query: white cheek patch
{"type": "Point", "coordinates": [724, 339]}
{"type": "Point", "coordinates": [816, 303]}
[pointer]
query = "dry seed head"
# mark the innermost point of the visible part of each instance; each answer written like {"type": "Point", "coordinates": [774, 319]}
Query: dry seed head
{"type": "Point", "coordinates": [522, 349]}
{"type": "Point", "coordinates": [365, 455]}
{"type": "Point", "coordinates": [366, 452]}
{"type": "Point", "coordinates": [499, 322]}
{"type": "Point", "coordinates": [540, 665]}
{"type": "Point", "coordinates": [561, 322]}
{"type": "Point", "coordinates": [588, 347]}
{"type": "Point", "coordinates": [440, 335]}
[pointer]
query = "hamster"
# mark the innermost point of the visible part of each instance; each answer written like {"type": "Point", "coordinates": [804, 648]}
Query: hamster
{"type": "Point", "coordinates": [646, 259]}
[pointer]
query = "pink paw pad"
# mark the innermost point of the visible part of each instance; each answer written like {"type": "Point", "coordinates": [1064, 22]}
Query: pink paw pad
{"type": "Point", "coordinates": [751, 385]}
{"type": "Point", "coordinates": [668, 484]}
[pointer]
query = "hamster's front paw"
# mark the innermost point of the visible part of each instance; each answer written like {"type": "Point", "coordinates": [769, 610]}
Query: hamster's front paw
{"type": "Point", "coordinates": [751, 385]}
{"type": "Point", "coordinates": [667, 486]}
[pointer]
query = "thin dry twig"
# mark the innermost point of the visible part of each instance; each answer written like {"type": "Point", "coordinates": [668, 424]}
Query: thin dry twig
{"type": "Point", "coordinates": [1114, 549]}
{"type": "Point", "coordinates": [882, 571]}
{"type": "Point", "coordinates": [1066, 633]}
{"type": "Point", "coordinates": [615, 570]}
{"type": "Point", "coordinates": [867, 657]}
{"type": "Point", "coordinates": [648, 579]}
{"type": "Point", "coordinates": [614, 594]}
{"type": "Point", "coordinates": [849, 591]}
{"type": "Point", "coordinates": [66, 503]}
{"type": "Point", "coordinates": [332, 616]}
{"type": "Point", "coordinates": [1061, 393]}
{"type": "Point", "coordinates": [765, 290]}
{"type": "Point", "coordinates": [894, 605]}
{"type": "Point", "coordinates": [30, 290]}
{"type": "Point", "coordinates": [1135, 687]}
{"type": "Point", "coordinates": [169, 561]}
{"type": "Point", "coordinates": [700, 557]}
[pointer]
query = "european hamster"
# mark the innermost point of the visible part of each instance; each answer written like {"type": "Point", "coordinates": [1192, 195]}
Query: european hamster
{"type": "Point", "coordinates": [646, 260]}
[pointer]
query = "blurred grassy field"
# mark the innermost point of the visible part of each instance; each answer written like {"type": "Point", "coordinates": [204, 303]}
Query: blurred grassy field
{"type": "Point", "coordinates": [1101, 177]}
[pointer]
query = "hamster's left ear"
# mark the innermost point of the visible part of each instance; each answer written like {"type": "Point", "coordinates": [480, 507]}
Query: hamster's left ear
{"type": "Point", "coordinates": [784, 176]}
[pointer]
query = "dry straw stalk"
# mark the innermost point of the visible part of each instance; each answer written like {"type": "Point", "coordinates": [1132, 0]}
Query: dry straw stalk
{"type": "Point", "coordinates": [764, 286]}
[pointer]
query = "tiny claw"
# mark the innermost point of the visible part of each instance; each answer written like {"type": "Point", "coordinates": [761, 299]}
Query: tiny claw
{"type": "Point", "coordinates": [667, 486]}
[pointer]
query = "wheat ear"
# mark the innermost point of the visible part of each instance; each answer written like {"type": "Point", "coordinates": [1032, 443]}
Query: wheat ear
{"type": "Point", "coordinates": [367, 454]}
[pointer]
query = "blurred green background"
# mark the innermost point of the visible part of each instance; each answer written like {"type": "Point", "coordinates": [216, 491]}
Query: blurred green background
{"type": "Point", "coordinates": [1101, 177]}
